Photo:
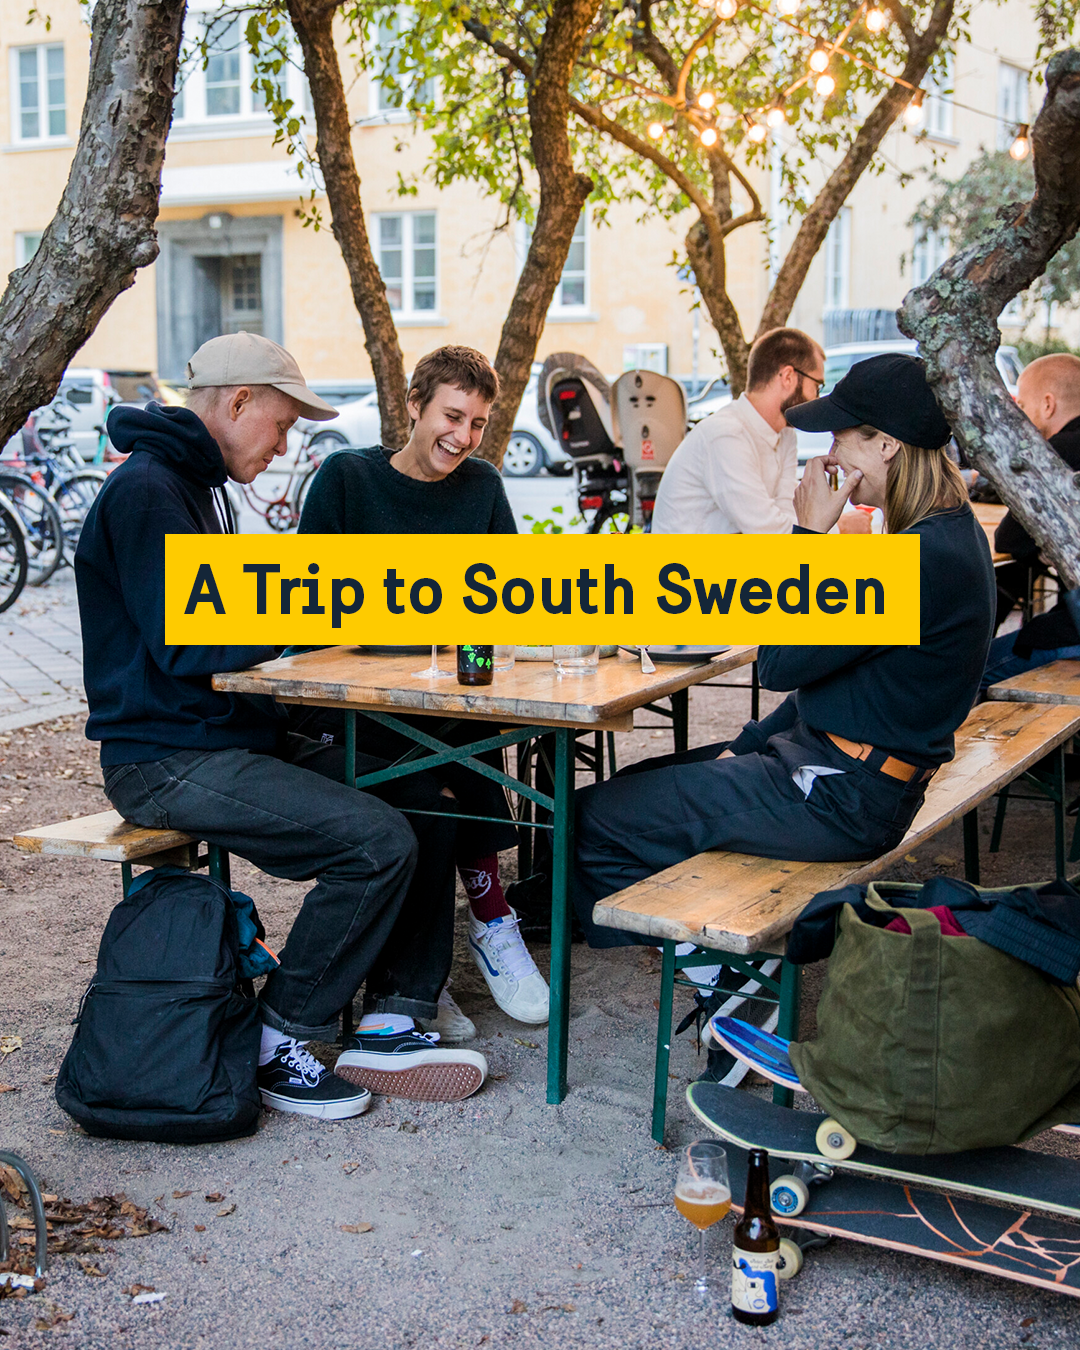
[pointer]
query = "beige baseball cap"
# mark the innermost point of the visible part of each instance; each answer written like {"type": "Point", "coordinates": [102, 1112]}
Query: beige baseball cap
{"type": "Point", "coordinates": [250, 358]}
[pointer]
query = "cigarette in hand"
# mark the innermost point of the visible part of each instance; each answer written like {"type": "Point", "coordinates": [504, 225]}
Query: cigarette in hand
{"type": "Point", "coordinates": [834, 481]}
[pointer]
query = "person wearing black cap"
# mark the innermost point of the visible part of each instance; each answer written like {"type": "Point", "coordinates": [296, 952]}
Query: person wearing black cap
{"type": "Point", "coordinates": [839, 770]}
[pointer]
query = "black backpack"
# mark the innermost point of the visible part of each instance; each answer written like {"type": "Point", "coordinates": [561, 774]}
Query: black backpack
{"type": "Point", "coordinates": [166, 1043]}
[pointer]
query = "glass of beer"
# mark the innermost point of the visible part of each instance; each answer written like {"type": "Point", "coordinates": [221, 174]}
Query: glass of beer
{"type": "Point", "coordinates": [703, 1193]}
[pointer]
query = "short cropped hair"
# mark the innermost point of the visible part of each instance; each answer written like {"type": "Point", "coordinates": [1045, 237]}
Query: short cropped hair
{"type": "Point", "coordinates": [463, 368]}
{"type": "Point", "coordinates": [777, 348]}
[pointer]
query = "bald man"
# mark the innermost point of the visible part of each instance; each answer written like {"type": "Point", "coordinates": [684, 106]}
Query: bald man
{"type": "Point", "coordinates": [1048, 393]}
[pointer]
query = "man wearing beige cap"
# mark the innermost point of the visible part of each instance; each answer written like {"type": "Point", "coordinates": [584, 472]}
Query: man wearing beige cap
{"type": "Point", "coordinates": [177, 754]}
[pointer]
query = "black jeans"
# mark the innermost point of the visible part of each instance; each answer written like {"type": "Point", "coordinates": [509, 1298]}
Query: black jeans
{"type": "Point", "coordinates": [475, 794]}
{"type": "Point", "coordinates": [662, 811]}
{"type": "Point", "coordinates": [382, 908]}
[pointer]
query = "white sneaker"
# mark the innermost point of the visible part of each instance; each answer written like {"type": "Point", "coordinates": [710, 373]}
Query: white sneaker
{"type": "Point", "coordinates": [451, 1023]}
{"type": "Point", "coordinates": [516, 985]}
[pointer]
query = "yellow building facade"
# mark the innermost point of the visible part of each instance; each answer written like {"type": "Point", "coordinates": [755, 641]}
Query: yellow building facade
{"type": "Point", "coordinates": [235, 252]}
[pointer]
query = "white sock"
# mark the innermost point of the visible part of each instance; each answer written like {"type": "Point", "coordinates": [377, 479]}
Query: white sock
{"type": "Point", "coordinates": [703, 974]}
{"type": "Point", "coordinates": [271, 1039]}
{"type": "Point", "coordinates": [386, 1024]}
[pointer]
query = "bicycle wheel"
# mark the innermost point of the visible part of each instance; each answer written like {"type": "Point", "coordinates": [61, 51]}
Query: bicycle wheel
{"type": "Point", "coordinates": [44, 537]}
{"type": "Point", "coordinates": [74, 495]}
{"type": "Point", "coordinates": [13, 566]}
{"type": "Point", "coordinates": [300, 495]}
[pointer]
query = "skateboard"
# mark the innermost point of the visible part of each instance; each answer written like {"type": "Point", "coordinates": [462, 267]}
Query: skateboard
{"type": "Point", "coordinates": [1031, 1248]}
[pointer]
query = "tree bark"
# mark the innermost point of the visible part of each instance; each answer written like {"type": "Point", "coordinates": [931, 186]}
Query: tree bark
{"type": "Point", "coordinates": [954, 317]}
{"type": "Point", "coordinates": [313, 22]}
{"type": "Point", "coordinates": [103, 229]}
{"type": "Point", "coordinates": [563, 193]}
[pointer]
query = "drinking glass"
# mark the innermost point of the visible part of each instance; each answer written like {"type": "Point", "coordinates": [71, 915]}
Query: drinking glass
{"type": "Point", "coordinates": [504, 657]}
{"type": "Point", "coordinates": [433, 672]}
{"type": "Point", "coordinates": [703, 1193]}
{"type": "Point", "coordinates": [576, 660]}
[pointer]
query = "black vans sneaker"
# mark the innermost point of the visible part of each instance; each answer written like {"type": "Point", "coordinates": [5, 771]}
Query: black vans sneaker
{"type": "Point", "coordinates": [294, 1080]}
{"type": "Point", "coordinates": [413, 1065]}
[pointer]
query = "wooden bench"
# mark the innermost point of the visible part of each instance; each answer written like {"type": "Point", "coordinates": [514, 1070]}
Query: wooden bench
{"type": "Point", "coordinates": [741, 908]}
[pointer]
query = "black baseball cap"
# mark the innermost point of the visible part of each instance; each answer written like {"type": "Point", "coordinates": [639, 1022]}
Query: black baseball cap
{"type": "Point", "coordinates": [889, 392]}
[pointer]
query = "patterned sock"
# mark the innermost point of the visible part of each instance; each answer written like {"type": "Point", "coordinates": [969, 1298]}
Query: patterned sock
{"type": "Point", "coordinates": [384, 1024]}
{"type": "Point", "coordinates": [484, 889]}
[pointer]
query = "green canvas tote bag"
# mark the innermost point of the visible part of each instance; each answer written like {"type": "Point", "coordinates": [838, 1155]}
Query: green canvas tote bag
{"type": "Point", "coordinates": [934, 1044]}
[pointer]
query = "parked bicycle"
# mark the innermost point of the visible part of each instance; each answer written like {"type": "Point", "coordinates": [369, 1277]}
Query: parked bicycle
{"type": "Point", "coordinates": [13, 563]}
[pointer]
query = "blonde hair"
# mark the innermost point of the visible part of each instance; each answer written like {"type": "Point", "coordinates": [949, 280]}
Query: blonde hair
{"type": "Point", "coordinates": [918, 483]}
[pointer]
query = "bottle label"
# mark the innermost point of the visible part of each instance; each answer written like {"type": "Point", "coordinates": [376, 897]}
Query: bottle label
{"type": "Point", "coordinates": [753, 1280]}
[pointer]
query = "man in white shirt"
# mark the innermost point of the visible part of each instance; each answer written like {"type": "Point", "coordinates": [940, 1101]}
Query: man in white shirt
{"type": "Point", "coordinates": [735, 472]}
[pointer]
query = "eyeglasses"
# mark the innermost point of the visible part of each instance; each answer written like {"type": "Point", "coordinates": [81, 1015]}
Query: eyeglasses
{"type": "Point", "coordinates": [812, 378]}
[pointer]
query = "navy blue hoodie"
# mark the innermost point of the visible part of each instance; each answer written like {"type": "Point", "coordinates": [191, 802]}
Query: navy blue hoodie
{"type": "Point", "coordinates": [148, 700]}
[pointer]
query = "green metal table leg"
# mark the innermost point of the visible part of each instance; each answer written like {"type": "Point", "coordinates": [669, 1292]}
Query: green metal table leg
{"type": "Point", "coordinates": [680, 720]}
{"type": "Point", "coordinates": [755, 693]}
{"type": "Point", "coordinates": [562, 860]}
{"type": "Point", "coordinates": [663, 1041]}
{"type": "Point", "coordinates": [787, 1024]}
{"type": "Point", "coordinates": [971, 846]}
{"type": "Point", "coordinates": [217, 859]}
{"type": "Point", "coordinates": [612, 766]}
{"type": "Point", "coordinates": [350, 748]}
{"type": "Point", "coordinates": [999, 818]}
{"type": "Point", "coordinates": [1059, 811]}
{"type": "Point", "coordinates": [125, 879]}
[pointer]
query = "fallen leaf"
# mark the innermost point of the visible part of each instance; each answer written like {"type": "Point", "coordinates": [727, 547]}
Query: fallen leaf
{"type": "Point", "coordinates": [224, 1213]}
{"type": "Point", "coordinates": [910, 857]}
{"type": "Point", "coordinates": [944, 860]}
{"type": "Point", "coordinates": [349, 1168]}
{"type": "Point", "coordinates": [214, 1198]}
{"type": "Point", "coordinates": [49, 1199]}
{"type": "Point", "coordinates": [159, 1199]}
{"type": "Point", "coordinates": [529, 1045]}
{"type": "Point", "coordinates": [407, 1127]}
{"type": "Point", "coordinates": [136, 1289]}
{"type": "Point", "coordinates": [53, 1319]}
{"type": "Point", "coordinates": [1029, 1321]}
{"type": "Point", "coordinates": [89, 1268]}
{"type": "Point", "coordinates": [51, 1079]}
{"type": "Point", "coordinates": [182, 1195]}
{"type": "Point", "coordinates": [518, 1307]}
{"type": "Point", "coordinates": [560, 1307]}
{"type": "Point", "coordinates": [200, 1228]}
{"type": "Point", "coordinates": [8, 1046]}
{"type": "Point", "coordinates": [200, 1258]}
{"type": "Point", "coordinates": [357, 1227]}
{"type": "Point", "coordinates": [8, 1087]}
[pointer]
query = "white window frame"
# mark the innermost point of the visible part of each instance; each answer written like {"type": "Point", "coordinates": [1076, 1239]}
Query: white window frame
{"type": "Point", "coordinates": [27, 243]}
{"type": "Point", "coordinates": [838, 261]}
{"type": "Point", "coordinates": [376, 111]}
{"type": "Point", "coordinates": [939, 103]}
{"type": "Point", "coordinates": [1012, 102]}
{"type": "Point", "coordinates": [931, 249]}
{"type": "Point", "coordinates": [43, 136]}
{"type": "Point", "coordinates": [407, 313]}
{"type": "Point", "coordinates": [558, 308]}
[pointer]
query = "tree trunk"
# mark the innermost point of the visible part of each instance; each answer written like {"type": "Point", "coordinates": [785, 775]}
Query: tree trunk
{"type": "Point", "coordinates": [563, 193]}
{"type": "Point", "coordinates": [313, 22]}
{"type": "Point", "coordinates": [103, 229]}
{"type": "Point", "coordinates": [710, 273]}
{"type": "Point", "coordinates": [954, 317]}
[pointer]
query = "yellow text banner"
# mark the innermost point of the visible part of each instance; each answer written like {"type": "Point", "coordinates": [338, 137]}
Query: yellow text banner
{"type": "Point", "coordinates": [315, 589]}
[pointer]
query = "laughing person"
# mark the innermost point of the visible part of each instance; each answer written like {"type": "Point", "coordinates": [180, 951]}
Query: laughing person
{"type": "Point", "coordinates": [433, 486]}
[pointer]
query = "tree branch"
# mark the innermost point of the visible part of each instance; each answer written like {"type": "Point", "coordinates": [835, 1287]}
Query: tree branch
{"type": "Point", "coordinates": [954, 317]}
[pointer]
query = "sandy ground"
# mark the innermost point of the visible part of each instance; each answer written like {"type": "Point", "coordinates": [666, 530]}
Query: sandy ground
{"type": "Point", "coordinates": [500, 1221]}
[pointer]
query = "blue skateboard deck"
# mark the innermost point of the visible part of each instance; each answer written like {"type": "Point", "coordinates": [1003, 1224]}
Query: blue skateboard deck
{"type": "Point", "coordinates": [1031, 1248]}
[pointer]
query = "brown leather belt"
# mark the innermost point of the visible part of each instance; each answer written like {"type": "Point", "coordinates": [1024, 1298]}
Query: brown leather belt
{"type": "Point", "coordinates": [895, 768]}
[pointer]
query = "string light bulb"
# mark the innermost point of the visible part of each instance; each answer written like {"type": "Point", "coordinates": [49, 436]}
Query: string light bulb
{"type": "Point", "coordinates": [756, 132]}
{"type": "Point", "coordinates": [706, 100]}
{"type": "Point", "coordinates": [655, 130]}
{"type": "Point", "coordinates": [708, 136]}
{"type": "Point", "coordinates": [787, 7]}
{"type": "Point", "coordinates": [825, 85]}
{"type": "Point", "coordinates": [727, 9]}
{"type": "Point", "coordinates": [876, 19]}
{"type": "Point", "coordinates": [819, 59]}
{"type": "Point", "coordinates": [776, 116]}
{"type": "Point", "coordinates": [1021, 146]}
{"type": "Point", "coordinates": [913, 113]}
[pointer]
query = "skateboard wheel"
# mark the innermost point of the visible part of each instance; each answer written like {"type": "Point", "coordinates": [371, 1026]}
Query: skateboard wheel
{"type": "Point", "coordinates": [834, 1141]}
{"type": "Point", "coordinates": [789, 1196]}
{"type": "Point", "coordinates": [791, 1259]}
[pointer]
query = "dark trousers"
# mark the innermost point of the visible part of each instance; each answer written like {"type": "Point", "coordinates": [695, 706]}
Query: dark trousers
{"type": "Point", "coordinates": [662, 811]}
{"type": "Point", "coordinates": [382, 908]}
{"type": "Point", "coordinates": [476, 795]}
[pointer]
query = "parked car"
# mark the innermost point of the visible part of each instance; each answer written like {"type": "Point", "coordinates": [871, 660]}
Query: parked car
{"type": "Point", "coordinates": [90, 391]}
{"type": "Point", "coordinates": [357, 423]}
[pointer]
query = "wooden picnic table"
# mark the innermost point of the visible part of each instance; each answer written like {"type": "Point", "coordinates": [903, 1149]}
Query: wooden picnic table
{"type": "Point", "coordinates": [530, 701]}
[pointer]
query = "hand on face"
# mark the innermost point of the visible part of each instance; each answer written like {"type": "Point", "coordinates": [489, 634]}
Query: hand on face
{"type": "Point", "coordinates": [818, 503]}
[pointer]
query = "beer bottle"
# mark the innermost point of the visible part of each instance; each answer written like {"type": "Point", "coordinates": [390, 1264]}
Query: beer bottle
{"type": "Point", "coordinates": [755, 1252]}
{"type": "Point", "coordinates": [475, 665]}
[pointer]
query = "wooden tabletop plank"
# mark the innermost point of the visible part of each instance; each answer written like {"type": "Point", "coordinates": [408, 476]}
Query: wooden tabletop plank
{"type": "Point", "coordinates": [1057, 682]}
{"type": "Point", "coordinates": [746, 904]}
{"type": "Point", "coordinates": [106, 836]}
{"type": "Point", "coordinates": [531, 693]}
{"type": "Point", "coordinates": [990, 515]}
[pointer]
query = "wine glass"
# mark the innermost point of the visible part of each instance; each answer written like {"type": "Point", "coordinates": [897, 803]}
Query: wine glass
{"type": "Point", "coordinates": [703, 1193]}
{"type": "Point", "coordinates": [433, 672]}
